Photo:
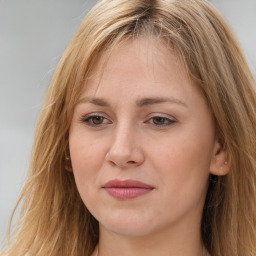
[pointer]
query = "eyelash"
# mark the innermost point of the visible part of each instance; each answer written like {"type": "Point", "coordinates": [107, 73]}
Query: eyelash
{"type": "Point", "coordinates": [88, 120]}
{"type": "Point", "coordinates": [167, 121]}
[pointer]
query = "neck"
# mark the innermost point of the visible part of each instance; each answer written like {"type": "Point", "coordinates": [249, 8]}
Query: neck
{"type": "Point", "coordinates": [161, 244]}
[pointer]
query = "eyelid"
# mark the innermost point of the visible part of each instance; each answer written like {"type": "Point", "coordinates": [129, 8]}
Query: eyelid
{"type": "Point", "coordinates": [86, 117]}
{"type": "Point", "coordinates": [170, 119]}
{"type": "Point", "coordinates": [155, 114]}
{"type": "Point", "coordinates": [95, 114]}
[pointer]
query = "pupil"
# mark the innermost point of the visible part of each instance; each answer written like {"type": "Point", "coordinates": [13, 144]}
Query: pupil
{"type": "Point", "coordinates": [158, 120]}
{"type": "Point", "coordinates": [97, 120]}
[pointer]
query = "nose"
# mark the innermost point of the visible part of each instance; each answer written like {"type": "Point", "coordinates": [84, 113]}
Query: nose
{"type": "Point", "coordinates": [125, 150]}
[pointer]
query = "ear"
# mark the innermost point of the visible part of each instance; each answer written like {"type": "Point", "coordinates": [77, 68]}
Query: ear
{"type": "Point", "coordinates": [220, 162]}
{"type": "Point", "coordinates": [68, 163]}
{"type": "Point", "coordinates": [68, 167]}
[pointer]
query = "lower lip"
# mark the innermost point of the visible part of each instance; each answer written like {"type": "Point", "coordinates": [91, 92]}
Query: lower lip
{"type": "Point", "coordinates": [127, 193]}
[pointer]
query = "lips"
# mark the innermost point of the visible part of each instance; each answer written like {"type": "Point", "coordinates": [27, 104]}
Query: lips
{"type": "Point", "coordinates": [127, 189]}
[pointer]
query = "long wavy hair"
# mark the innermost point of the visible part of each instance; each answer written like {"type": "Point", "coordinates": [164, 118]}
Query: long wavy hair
{"type": "Point", "coordinates": [54, 221]}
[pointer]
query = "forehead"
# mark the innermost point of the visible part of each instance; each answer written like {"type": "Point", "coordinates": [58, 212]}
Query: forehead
{"type": "Point", "coordinates": [142, 65]}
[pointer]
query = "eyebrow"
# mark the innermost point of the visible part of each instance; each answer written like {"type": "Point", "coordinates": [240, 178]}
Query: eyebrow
{"type": "Point", "coordinates": [139, 103]}
{"type": "Point", "coordinates": [95, 101]}
{"type": "Point", "coordinates": [157, 100]}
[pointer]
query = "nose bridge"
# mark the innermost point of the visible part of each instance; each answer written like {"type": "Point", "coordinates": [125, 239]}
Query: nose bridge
{"type": "Point", "coordinates": [124, 138]}
{"type": "Point", "coordinates": [125, 149]}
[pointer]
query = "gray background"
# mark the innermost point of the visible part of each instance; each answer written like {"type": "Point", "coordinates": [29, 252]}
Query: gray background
{"type": "Point", "coordinates": [33, 35]}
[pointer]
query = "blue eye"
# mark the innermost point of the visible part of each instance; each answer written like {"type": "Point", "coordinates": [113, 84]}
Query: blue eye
{"type": "Point", "coordinates": [161, 121]}
{"type": "Point", "coordinates": [95, 120]}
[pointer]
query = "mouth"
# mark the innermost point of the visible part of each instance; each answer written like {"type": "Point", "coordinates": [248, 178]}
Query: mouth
{"type": "Point", "coordinates": [127, 189]}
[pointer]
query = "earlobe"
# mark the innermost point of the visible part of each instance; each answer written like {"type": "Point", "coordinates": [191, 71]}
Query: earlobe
{"type": "Point", "coordinates": [68, 164]}
{"type": "Point", "coordinates": [68, 168]}
{"type": "Point", "coordinates": [220, 162]}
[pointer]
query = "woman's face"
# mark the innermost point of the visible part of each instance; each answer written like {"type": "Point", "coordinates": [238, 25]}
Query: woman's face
{"type": "Point", "coordinates": [142, 142]}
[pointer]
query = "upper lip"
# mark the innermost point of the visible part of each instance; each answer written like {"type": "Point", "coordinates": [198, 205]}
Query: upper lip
{"type": "Point", "coordinates": [126, 184]}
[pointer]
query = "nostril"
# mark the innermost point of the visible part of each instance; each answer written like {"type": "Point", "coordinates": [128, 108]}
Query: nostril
{"type": "Point", "coordinates": [131, 162]}
{"type": "Point", "coordinates": [124, 159]}
{"type": "Point", "coordinates": [112, 163]}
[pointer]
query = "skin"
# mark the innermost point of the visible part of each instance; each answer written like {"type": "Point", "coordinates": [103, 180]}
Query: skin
{"type": "Point", "coordinates": [124, 140]}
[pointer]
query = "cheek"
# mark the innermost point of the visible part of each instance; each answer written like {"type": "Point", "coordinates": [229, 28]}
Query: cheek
{"type": "Point", "coordinates": [86, 161]}
{"type": "Point", "coordinates": [85, 151]}
{"type": "Point", "coordinates": [183, 161]}
{"type": "Point", "coordinates": [182, 153]}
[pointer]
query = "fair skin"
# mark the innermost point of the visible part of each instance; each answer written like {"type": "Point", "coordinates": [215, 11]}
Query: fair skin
{"type": "Point", "coordinates": [143, 119]}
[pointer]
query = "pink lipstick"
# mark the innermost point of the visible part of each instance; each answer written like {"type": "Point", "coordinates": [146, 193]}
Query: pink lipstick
{"type": "Point", "coordinates": [127, 189]}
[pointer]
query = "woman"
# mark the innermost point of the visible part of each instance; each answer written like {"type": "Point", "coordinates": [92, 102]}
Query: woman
{"type": "Point", "coordinates": [146, 141]}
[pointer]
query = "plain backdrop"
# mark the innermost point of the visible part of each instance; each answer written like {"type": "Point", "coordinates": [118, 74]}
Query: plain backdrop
{"type": "Point", "coordinates": [33, 35]}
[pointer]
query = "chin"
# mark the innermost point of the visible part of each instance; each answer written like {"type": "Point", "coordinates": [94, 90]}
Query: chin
{"type": "Point", "coordinates": [129, 225]}
{"type": "Point", "coordinates": [131, 230]}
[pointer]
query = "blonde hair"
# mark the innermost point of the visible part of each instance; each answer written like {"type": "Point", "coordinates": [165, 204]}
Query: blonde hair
{"type": "Point", "coordinates": [54, 221]}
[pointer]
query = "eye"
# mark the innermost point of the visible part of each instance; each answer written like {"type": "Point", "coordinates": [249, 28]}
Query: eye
{"type": "Point", "coordinates": [95, 120]}
{"type": "Point", "coordinates": [161, 121]}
